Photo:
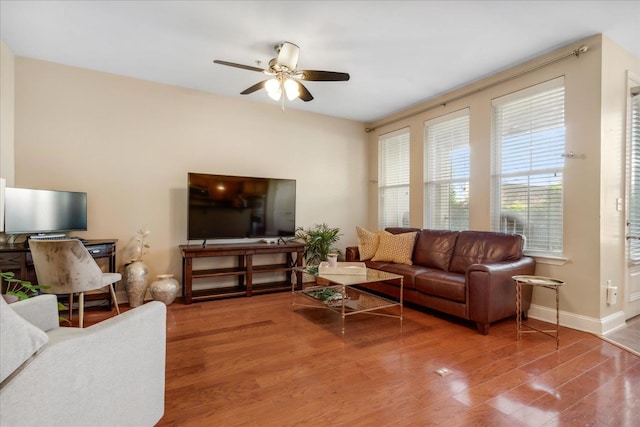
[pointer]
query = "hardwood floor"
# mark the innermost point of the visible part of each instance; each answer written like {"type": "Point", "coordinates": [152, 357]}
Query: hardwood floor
{"type": "Point", "coordinates": [256, 362]}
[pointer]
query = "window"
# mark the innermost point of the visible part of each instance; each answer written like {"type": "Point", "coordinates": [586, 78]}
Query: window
{"type": "Point", "coordinates": [393, 179]}
{"type": "Point", "coordinates": [528, 165]}
{"type": "Point", "coordinates": [634, 182]}
{"type": "Point", "coordinates": [446, 167]}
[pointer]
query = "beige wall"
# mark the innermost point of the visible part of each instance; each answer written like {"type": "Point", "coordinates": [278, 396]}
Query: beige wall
{"type": "Point", "coordinates": [593, 243]}
{"type": "Point", "coordinates": [130, 143]}
{"type": "Point", "coordinates": [7, 102]}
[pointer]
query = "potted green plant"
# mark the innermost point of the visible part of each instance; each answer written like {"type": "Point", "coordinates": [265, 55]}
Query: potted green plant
{"type": "Point", "coordinates": [319, 241]}
{"type": "Point", "coordinates": [18, 290]}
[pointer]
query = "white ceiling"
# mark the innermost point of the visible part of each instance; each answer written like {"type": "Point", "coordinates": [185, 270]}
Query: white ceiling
{"type": "Point", "coordinates": [398, 53]}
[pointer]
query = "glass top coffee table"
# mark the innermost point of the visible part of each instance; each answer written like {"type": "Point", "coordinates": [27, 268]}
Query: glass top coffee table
{"type": "Point", "coordinates": [340, 293]}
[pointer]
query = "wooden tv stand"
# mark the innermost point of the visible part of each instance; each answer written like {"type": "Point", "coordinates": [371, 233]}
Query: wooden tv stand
{"type": "Point", "coordinates": [244, 272]}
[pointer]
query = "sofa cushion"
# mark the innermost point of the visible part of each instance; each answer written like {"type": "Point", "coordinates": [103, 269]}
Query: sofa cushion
{"type": "Point", "coordinates": [401, 230]}
{"type": "Point", "coordinates": [19, 339]}
{"type": "Point", "coordinates": [377, 265]}
{"type": "Point", "coordinates": [483, 247]}
{"type": "Point", "coordinates": [396, 248]}
{"type": "Point", "coordinates": [408, 272]}
{"type": "Point", "coordinates": [367, 243]}
{"type": "Point", "coordinates": [442, 284]}
{"type": "Point", "coordinates": [434, 248]}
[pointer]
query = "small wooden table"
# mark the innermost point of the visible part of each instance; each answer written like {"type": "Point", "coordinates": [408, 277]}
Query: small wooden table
{"type": "Point", "coordinates": [544, 282]}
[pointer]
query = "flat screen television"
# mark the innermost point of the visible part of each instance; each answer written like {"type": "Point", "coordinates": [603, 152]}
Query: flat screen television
{"type": "Point", "coordinates": [232, 207]}
{"type": "Point", "coordinates": [31, 211]}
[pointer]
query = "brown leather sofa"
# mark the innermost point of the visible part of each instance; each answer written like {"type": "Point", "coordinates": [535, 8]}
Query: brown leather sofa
{"type": "Point", "coordinates": [467, 274]}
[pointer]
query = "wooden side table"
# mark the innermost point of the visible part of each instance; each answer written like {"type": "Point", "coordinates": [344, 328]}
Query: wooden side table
{"type": "Point", "coordinates": [544, 282]}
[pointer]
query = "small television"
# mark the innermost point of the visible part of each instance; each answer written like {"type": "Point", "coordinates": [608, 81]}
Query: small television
{"type": "Point", "coordinates": [233, 207]}
{"type": "Point", "coordinates": [31, 211]}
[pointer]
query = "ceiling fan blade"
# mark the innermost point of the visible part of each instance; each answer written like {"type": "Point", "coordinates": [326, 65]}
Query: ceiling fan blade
{"type": "Point", "coordinates": [323, 76]}
{"type": "Point", "coordinates": [253, 88]}
{"type": "Point", "coordinates": [304, 95]}
{"type": "Point", "coordinates": [244, 67]}
{"type": "Point", "coordinates": [288, 55]}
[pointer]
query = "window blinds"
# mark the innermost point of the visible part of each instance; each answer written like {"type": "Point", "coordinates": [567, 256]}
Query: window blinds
{"type": "Point", "coordinates": [634, 191]}
{"type": "Point", "coordinates": [446, 167]}
{"type": "Point", "coordinates": [528, 164]}
{"type": "Point", "coordinates": [393, 179]}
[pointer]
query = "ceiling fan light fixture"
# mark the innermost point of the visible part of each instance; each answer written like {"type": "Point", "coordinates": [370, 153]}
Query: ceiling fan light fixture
{"type": "Point", "coordinates": [291, 89]}
{"type": "Point", "coordinates": [274, 89]}
{"type": "Point", "coordinates": [276, 95]}
{"type": "Point", "coordinates": [288, 55]}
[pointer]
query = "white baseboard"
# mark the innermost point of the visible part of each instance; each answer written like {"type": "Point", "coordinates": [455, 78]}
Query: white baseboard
{"type": "Point", "coordinates": [578, 321]}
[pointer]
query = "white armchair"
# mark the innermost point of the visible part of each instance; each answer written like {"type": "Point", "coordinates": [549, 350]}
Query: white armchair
{"type": "Point", "coordinates": [109, 374]}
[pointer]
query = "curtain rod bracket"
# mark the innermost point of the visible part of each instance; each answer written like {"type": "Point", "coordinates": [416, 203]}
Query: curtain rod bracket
{"type": "Point", "coordinates": [572, 155]}
{"type": "Point", "coordinates": [582, 49]}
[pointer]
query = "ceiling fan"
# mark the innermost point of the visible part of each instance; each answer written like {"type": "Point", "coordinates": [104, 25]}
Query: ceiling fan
{"type": "Point", "coordinates": [284, 75]}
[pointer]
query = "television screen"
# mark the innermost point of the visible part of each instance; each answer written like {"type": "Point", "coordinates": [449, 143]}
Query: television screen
{"type": "Point", "coordinates": [44, 211]}
{"type": "Point", "coordinates": [223, 206]}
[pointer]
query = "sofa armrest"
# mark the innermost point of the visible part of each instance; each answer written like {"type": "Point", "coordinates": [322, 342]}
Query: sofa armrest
{"type": "Point", "coordinates": [352, 254]}
{"type": "Point", "coordinates": [491, 291]}
{"type": "Point", "coordinates": [111, 373]}
{"type": "Point", "coordinates": [508, 268]}
{"type": "Point", "coordinates": [41, 311]}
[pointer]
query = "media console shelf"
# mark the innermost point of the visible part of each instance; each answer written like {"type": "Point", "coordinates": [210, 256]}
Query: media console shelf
{"type": "Point", "coordinates": [243, 272]}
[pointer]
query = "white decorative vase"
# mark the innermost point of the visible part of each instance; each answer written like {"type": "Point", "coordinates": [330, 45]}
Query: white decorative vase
{"type": "Point", "coordinates": [137, 278]}
{"type": "Point", "coordinates": [164, 288]}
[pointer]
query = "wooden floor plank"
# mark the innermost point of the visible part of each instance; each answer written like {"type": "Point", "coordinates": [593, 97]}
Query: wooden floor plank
{"type": "Point", "coordinates": [257, 362]}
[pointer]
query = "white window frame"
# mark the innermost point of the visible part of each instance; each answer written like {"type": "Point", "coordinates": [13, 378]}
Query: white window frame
{"type": "Point", "coordinates": [393, 178]}
{"type": "Point", "coordinates": [528, 144]}
{"type": "Point", "coordinates": [446, 171]}
{"type": "Point", "coordinates": [633, 215]}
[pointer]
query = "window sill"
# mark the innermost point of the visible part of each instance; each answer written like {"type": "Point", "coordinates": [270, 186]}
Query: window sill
{"type": "Point", "coordinates": [550, 260]}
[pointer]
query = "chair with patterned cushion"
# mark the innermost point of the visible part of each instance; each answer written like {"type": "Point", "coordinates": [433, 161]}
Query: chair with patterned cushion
{"type": "Point", "coordinates": [67, 268]}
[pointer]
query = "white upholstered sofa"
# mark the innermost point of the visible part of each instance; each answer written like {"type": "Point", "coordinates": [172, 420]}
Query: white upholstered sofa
{"type": "Point", "coordinates": [109, 374]}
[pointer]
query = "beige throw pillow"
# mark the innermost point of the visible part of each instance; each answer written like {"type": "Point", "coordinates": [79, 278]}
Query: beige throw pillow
{"type": "Point", "coordinates": [367, 243]}
{"type": "Point", "coordinates": [19, 340]}
{"type": "Point", "coordinates": [397, 248]}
